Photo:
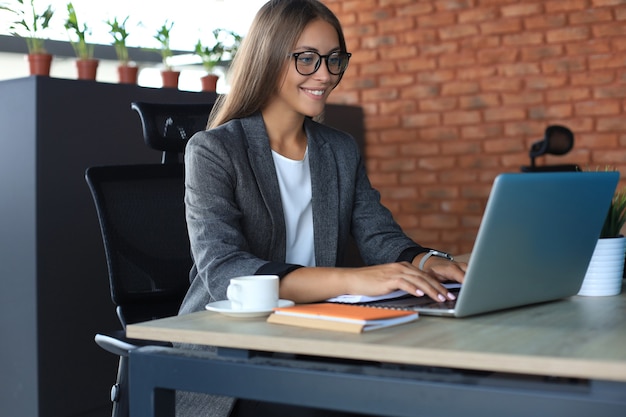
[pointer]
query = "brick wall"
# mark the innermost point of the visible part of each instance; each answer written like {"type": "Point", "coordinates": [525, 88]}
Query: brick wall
{"type": "Point", "coordinates": [456, 91]}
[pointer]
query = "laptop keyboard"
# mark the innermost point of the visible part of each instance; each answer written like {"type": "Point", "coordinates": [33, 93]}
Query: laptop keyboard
{"type": "Point", "coordinates": [410, 302]}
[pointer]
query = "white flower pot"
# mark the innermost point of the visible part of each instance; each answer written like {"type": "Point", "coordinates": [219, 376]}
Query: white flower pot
{"type": "Point", "coordinates": [606, 269]}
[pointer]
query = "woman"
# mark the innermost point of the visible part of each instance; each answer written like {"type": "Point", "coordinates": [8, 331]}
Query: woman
{"type": "Point", "coordinates": [271, 191]}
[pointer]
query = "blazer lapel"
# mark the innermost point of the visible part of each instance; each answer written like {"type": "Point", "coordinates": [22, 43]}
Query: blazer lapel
{"type": "Point", "coordinates": [325, 193]}
{"type": "Point", "coordinates": [262, 163]}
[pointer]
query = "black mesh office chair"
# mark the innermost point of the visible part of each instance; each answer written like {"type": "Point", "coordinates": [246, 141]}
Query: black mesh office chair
{"type": "Point", "coordinates": [558, 140]}
{"type": "Point", "coordinates": [168, 127]}
{"type": "Point", "coordinates": [142, 219]}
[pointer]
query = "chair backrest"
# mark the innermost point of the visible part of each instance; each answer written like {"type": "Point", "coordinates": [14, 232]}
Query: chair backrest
{"type": "Point", "coordinates": [142, 219]}
{"type": "Point", "coordinates": [167, 127]}
{"type": "Point", "coordinates": [557, 140]}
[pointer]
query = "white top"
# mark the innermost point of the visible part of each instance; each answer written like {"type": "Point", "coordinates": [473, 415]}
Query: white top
{"type": "Point", "coordinates": [294, 180]}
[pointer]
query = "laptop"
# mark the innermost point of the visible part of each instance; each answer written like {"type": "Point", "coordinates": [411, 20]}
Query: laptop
{"type": "Point", "coordinates": [534, 243]}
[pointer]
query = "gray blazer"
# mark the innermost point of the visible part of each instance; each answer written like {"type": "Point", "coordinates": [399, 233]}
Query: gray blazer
{"type": "Point", "coordinates": [235, 215]}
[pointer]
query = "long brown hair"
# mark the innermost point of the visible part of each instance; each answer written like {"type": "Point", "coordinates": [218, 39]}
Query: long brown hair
{"type": "Point", "coordinates": [261, 59]}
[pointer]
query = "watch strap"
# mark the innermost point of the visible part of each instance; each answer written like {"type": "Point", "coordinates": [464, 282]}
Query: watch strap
{"type": "Point", "coordinates": [433, 252]}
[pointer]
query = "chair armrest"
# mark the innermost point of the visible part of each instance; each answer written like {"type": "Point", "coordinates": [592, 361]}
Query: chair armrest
{"type": "Point", "coordinates": [114, 345]}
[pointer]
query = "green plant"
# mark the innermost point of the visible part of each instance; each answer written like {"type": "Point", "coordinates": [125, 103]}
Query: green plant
{"type": "Point", "coordinates": [616, 217]}
{"type": "Point", "coordinates": [30, 22]}
{"type": "Point", "coordinates": [118, 31]}
{"type": "Point", "coordinates": [163, 37]}
{"type": "Point", "coordinates": [82, 49]}
{"type": "Point", "coordinates": [224, 42]}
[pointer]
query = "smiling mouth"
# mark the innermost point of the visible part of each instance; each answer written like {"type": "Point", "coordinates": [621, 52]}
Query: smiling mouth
{"type": "Point", "coordinates": [318, 93]}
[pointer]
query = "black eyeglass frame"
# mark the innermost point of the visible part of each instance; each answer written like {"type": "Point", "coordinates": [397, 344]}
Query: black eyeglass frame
{"type": "Point", "coordinates": [295, 56]}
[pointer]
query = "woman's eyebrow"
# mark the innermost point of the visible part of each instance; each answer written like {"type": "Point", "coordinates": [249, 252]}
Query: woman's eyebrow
{"type": "Point", "coordinates": [312, 48]}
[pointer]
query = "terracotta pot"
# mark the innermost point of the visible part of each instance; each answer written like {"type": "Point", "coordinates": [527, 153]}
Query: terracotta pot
{"type": "Point", "coordinates": [87, 68]}
{"type": "Point", "coordinates": [39, 64]}
{"type": "Point", "coordinates": [170, 78]}
{"type": "Point", "coordinates": [127, 74]}
{"type": "Point", "coordinates": [209, 82]}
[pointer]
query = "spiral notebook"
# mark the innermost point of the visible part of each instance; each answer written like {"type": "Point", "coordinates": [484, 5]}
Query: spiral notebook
{"type": "Point", "coordinates": [534, 243]}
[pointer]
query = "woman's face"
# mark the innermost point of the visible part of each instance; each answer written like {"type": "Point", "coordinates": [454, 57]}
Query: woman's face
{"type": "Point", "coordinates": [307, 94]}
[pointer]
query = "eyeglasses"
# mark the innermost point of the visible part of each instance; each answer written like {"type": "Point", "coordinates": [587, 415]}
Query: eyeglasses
{"type": "Point", "coordinates": [308, 62]}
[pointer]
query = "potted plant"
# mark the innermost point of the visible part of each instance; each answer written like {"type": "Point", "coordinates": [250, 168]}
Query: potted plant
{"type": "Point", "coordinates": [224, 42]}
{"type": "Point", "coordinates": [127, 73]}
{"type": "Point", "coordinates": [28, 25]}
{"type": "Point", "coordinates": [168, 74]}
{"type": "Point", "coordinates": [86, 65]}
{"type": "Point", "coordinates": [606, 269]}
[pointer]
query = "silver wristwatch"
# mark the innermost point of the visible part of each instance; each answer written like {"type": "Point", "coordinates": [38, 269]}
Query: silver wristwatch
{"type": "Point", "coordinates": [433, 252]}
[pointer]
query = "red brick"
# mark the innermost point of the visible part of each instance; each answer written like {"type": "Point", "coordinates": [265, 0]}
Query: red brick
{"type": "Point", "coordinates": [398, 24]}
{"type": "Point", "coordinates": [478, 15]}
{"type": "Point", "coordinates": [457, 60]}
{"type": "Point", "coordinates": [595, 78]}
{"type": "Point", "coordinates": [420, 149]}
{"type": "Point", "coordinates": [590, 16]}
{"type": "Point", "coordinates": [501, 84]}
{"type": "Point", "coordinates": [397, 107]}
{"type": "Point", "coordinates": [441, 76]}
{"type": "Point", "coordinates": [380, 94]}
{"type": "Point", "coordinates": [459, 88]}
{"type": "Point", "coordinates": [458, 31]}
{"type": "Point", "coordinates": [545, 22]}
{"type": "Point", "coordinates": [397, 80]}
{"type": "Point", "coordinates": [553, 111]}
{"type": "Point", "coordinates": [596, 108]}
{"type": "Point", "coordinates": [413, 8]}
{"type": "Point", "coordinates": [610, 124]}
{"type": "Point", "coordinates": [497, 56]}
{"type": "Point", "coordinates": [438, 104]}
{"type": "Point", "coordinates": [436, 20]}
{"type": "Point", "coordinates": [420, 91]}
{"type": "Point", "coordinates": [398, 164]}
{"type": "Point", "coordinates": [609, 29]}
{"type": "Point", "coordinates": [543, 82]}
{"type": "Point", "coordinates": [417, 64]}
{"type": "Point", "coordinates": [479, 101]}
{"type": "Point", "coordinates": [530, 97]}
{"type": "Point", "coordinates": [482, 131]}
{"type": "Point", "coordinates": [570, 94]}
{"type": "Point", "coordinates": [569, 64]}
{"type": "Point", "coordinates": [503, 146]}
{"type": "Point", "coordinates": [526, 38]}
{"type": "Point", "coordinates": [589, 47]}
{"type": "Point", "coordinates": [421, 119]}
{"type": "Point", "coordinates": [439, 48]}
{"type": "Point", "coordinates": [601, 62]}
{"type": "Point", "coordinates": [597, 140]}
{"type": "Point", "coordinates": [537, 53]}
{"type": "Point", "coordinates": [521, 10]}
{"type": "Point", "coordinates": [553, 6]}
{"type": "Point", "coordinates": [461, 117]}
{"type": "Point", "coordinates": [504, 113]}
{"type": "Point", "coordinates": [614, 91]}
{"type": "Point", "coordinates": [501, 26]}
{"type": "Point", "coordinates": [439, 133]}
{"type": "Point", "coordinates": [436, 162]}
{"type": "Point", "coordinates": [568, 34]}
{"type": "Point", "coordinates": [461, 148]}
{"type": "Point", "coordinates": [520, 69]}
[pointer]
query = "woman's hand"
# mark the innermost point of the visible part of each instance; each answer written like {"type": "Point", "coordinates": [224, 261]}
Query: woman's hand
{"type": "Point", "coordinates": [306, 285]}
{"type": "Point", "coordinates": [383, 279]}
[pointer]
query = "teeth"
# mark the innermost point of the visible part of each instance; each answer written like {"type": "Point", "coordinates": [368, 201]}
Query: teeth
{"type": "Point", "coordinates": [316, 92]}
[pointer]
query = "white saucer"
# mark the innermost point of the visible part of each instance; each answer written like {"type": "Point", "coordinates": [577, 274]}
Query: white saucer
{"type": "Point", "coordinates": [223, 307]}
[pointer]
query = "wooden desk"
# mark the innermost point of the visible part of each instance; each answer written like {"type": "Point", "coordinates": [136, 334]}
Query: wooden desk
{"type": "Point", "coordinates": [568, 356]}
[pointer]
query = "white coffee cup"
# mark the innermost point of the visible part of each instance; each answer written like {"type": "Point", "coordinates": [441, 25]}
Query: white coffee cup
{"type": "Point", "coordinates": [253, 292]}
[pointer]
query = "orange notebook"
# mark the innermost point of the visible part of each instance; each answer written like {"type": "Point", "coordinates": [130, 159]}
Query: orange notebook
{"type": "Point", "coordinates": [340, 317]}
